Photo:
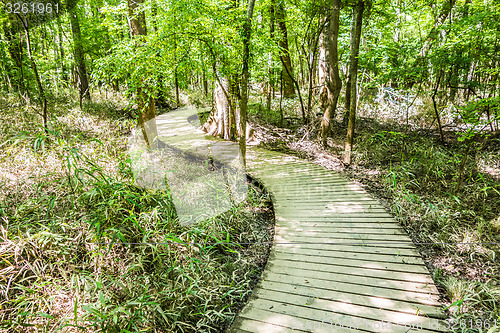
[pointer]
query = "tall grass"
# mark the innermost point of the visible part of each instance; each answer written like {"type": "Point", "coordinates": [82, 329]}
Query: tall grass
{"type": "Point", "coordinates": [84, 249]}
{"type": "Point", "coordinates": [452, 223]}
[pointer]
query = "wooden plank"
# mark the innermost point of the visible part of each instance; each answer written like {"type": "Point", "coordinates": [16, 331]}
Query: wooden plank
{"type": "Point", "coordinates": [392, 234]}
{"type": "Point", "coordinates": [378, 257]}
{"type": "Point", "coordinates": [367, 287]}
{"type": "Point", "coordinates": [353, 270]}
{"type": "Point", "coordinates": [355, 241]}
{"type": "Point", "coordinates": [310, 215]}
{"type": "Point", "coordinates": [242, 324]}
{"type": "Point", "coordinates": [357, 219]}
{"type": "Point", "coordinates": [329, 205]}
{"type": "Point", "coordinates": [319, 320]}
{"type": "Point", "coordinates": [289, 323]}
{"type": "Point", "coordinates": [339, 240]}
{"type": "Point", "coordinates": [323, 290]}
{"type": "Point", "coordinates": [326, 225]}
{"type": "Point", "coordinates": [326, 199]}
{"type": "Point", "coordinates": [356, 238]}
{"type": "Point", "coordinates": [339, 228]}
{"type": "Point", "coordinates": [332, 208]}
{"type": "Point", "coordinates": [372, 264]}
{"type": "Point", "coordinates": [317, 309]}
{"type": "Point", "coordinates": [353, 249]}
{"type": "Point", "coordinates": [309, 183]}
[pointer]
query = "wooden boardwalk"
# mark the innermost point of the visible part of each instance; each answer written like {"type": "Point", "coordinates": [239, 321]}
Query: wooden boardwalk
{"type": "Point", "coordinates": [340, 262]}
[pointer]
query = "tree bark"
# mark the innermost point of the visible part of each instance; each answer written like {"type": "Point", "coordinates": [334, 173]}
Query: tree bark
{"type": "Point", "coordinates": [41, 92]}
{"type": "Point", "coordinates": [176, 83]}
{"type": "Point", "coordinates": [147, 112]}
{"type": "Point", "coordinates": [436, 111]}
{"type": "Point", "coordinates": [222, 120]}
{"type": "Point", "coordinates": [79, 56]}
{"type": "Point", "coordinates": [333, 82]}
{"type": "Point", "coordinates": [270, 87]}
{"type": "Point", "coordinates": [15, 49]}
{"type": "Point", "coordinates": [247, 30]}
{"type": "Point", "coordinates": [64, 74]}
{"type": "Point", "coordinates": [445, 11]}
{"type": "Point", "coordinates": [347, 102]}
{"type": "Point", "coordinates": [286, 60]}
{"type": "Point", "coordinates": [353, 70]}
{"type": "Point", "coordinates": [323, 55]}
{"type": "Point", "coordinates": [205, 84]}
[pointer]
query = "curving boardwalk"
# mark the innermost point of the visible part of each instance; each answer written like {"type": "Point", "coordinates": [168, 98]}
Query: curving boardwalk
{"type": "Point", "coordinates": [340, 262]}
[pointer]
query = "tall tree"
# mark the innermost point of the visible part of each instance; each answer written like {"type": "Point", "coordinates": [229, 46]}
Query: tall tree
{"type": "Point", "coordinates": [224, 120]}
{"type": "Point", "coordinates": [15, 49]}
{"type": "Point", "coordinates": [42, 98]}
{"type": "Point", "coordinates": [333, 82]}
{"type": "Point", "coordinates": [64, 74]}
{"type": "Point", "coordinates": [347, 102]}
{"type": "Point", "coordinates": [270, 84]}
{"type": "Point", "coordinates": [247, 30]}
{"type": "Point", "coordinates": [288, 81]}
{"type": "Point", "coordinates": [353, 73]}
{"type": "Point", "coordinates": [147, 112]}
{"type": "Point", "coordinates": [79, 55]}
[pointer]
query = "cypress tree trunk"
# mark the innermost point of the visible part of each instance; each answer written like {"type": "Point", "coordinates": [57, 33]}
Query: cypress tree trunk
{"type": "Point", "coordinates": [353, 70]}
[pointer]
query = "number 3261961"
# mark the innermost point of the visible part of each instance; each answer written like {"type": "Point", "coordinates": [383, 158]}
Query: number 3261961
{"type": "Point", "coordinates": [31, 8]}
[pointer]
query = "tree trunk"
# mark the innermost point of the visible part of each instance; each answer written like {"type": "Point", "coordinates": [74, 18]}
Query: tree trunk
{"type": "Point", "coordinates": [286, 60]}
{"type": "Point", "coordinates": [247, 30]}
{"type": "Point", "coordinates": [312, 64]}
{"type": "Point", "coordinates": [446, 7]}
{"type": "Point", "coordinates": [147, 113]}
{"type": "Point", "coordinates": [41, 92]}
{"type": "Point", "coordinates": [64, 74]}
{"type": "Point", "coordinates": [323, 55]}
{"type": "Point", "coordinates": [15, 49]}
{"type": "Point", "coordinates": [270, 86]}
{"type": "Point", "coordinates": [436, 111]}
{"type": "Point", "coordinates": [347, 102]}
{"type": "Point", "coordinates": [205, 84]}
{"type": "Point", "coordinates": [333, 82]}
{"type": "Point", "coordinates": [79, 56]}
{"type": "Point", "coordinates": [176, 83]}
{"type": "Point", "coordinates": [353, 70]}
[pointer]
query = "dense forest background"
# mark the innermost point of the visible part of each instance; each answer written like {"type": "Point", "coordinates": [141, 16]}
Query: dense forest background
{"type": "Point", "coordinates": [400, 95]}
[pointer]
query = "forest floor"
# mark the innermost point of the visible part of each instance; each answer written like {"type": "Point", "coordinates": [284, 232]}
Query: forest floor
{"type": "Point", "coordinates": [68, 205]}
{"type": "Point", "coordinates": [455, 227]}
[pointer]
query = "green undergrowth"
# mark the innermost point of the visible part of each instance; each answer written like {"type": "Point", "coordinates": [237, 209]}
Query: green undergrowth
{"type": "Point", "coordinates": [450, 205]}
{"type": "Point", "coordinates": [82, 249]}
